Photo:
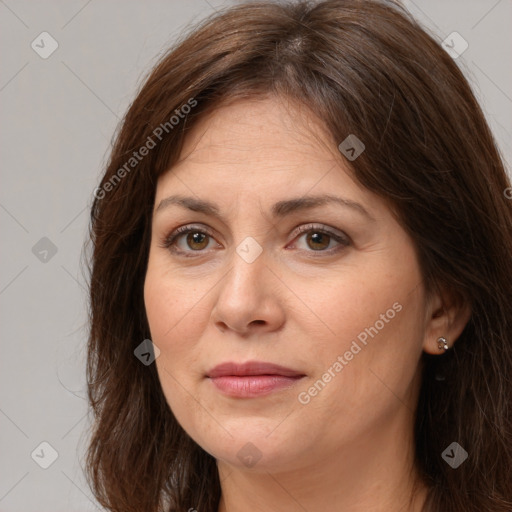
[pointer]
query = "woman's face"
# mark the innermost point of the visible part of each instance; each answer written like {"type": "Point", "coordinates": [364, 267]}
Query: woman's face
{"type": "Point", "coordinates": [341, 304]}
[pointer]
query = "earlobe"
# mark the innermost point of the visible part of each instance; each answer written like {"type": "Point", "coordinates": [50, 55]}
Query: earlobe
{"type": "Point", "coordinates": [448, 316]}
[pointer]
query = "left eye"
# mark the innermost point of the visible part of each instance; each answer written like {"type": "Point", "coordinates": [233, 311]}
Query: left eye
{"type": "Point", "coordinates": [317, 239]}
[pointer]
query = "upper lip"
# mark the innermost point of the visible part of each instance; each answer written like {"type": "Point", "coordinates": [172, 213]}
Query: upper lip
{"type": "Point", "coordinates": [251, 368]}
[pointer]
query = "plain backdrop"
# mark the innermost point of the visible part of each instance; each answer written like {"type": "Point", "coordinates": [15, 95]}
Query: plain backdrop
{"type": "Point", "coordinates": [58, 117]}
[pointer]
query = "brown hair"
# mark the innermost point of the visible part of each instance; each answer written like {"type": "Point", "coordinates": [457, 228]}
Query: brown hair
{"type": "Point", "coordinates": [364, 68]}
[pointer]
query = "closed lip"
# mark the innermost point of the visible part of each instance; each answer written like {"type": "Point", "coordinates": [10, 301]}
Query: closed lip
{"type": "Point", "coordinates": [251, 368]}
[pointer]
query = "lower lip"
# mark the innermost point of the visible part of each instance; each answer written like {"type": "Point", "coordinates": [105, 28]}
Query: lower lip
{"type": "Point", "coordinates": [253, 385]}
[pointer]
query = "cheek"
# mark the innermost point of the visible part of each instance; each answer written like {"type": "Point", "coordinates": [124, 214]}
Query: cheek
{"type": "Point", "coordinates": [174, 317]}
{"type": "Point", "coordinates": [374, 357]}
{"type": "Point", "coordinates": [177, 317]}
{"type": "Point", "coordinates": [339, 311]}
{"type": "Point", "coordinates": [368, 336]}
{"type": "Point", "coordinates": [173, 308]}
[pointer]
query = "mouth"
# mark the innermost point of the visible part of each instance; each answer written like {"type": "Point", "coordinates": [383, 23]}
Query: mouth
{"type": "Point", "coordinates": [252, 379]}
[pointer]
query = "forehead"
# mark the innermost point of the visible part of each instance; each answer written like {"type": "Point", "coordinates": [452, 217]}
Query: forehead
{"type": "Point", "coordinates": [269, 130]}
{"type": "Point", "coordinates": [260, 151]}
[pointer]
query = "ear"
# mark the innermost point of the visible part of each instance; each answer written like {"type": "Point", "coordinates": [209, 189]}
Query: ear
{"type": "Point", "coordinates": [447, 315]}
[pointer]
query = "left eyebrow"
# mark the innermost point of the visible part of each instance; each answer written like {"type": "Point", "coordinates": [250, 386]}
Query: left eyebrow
{"type": "Point", "coordinates": [279, 210]}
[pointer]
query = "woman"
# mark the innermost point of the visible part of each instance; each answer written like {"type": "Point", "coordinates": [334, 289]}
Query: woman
{"type": "Point", "coordinates": [301, 281]}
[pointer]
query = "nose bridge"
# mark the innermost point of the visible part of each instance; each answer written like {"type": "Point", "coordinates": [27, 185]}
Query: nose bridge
{"type": "Point", "coordinates": [245, 298]}
{"type": "Point", "coordinates": [249, 234]}
{"type": "Point", "coordinates": [246, 279]}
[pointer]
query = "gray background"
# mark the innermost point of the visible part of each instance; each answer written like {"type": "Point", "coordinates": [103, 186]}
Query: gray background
{"type": "Point", "coordinates": [58, 117]}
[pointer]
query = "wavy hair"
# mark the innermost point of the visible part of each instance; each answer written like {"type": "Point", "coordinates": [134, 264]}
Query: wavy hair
{"type": "Point", "coordinates": [365, 68]}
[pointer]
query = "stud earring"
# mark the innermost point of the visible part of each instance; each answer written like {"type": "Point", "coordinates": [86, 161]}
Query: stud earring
{"type": "Point", "coordinates": [442, 343]}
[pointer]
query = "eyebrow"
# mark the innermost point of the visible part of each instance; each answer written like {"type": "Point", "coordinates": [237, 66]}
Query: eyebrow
{"type": "Point", "coordinates": [279, 210]}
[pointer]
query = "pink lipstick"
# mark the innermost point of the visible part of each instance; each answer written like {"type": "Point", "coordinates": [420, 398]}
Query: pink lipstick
{"type": "Point", "coordinates": [252, 379]}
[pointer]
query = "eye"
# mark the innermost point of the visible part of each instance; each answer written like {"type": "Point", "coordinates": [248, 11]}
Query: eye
{"type": "Point", "coordinates": [195, 240]}
{"type": "Point", "coordinates": [320, 239]}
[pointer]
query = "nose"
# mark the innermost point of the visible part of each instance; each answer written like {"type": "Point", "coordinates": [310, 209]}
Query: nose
{"type": "Point", "coordinates": [249, 298]}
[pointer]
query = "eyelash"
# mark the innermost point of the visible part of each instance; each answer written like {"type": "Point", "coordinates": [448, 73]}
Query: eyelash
{"type": "Point", "coordinates": [169, 241]}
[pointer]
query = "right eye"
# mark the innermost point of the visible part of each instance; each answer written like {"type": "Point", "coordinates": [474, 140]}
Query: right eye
{"type": "Point", "coordinates": [196, 240]}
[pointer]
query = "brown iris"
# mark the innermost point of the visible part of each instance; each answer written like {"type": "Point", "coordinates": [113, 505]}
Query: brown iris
{"type": "Point", "coordinates": [201, 239]}
{"type": "Point", "coordinates": [318, 240]}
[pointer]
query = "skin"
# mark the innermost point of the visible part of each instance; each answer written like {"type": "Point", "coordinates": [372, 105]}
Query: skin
{"type": "Point", "coordinates": [300, 305]}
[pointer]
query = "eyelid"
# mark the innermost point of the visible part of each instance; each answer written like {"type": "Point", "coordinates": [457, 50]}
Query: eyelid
{"type": "Point", "coordinates": [337, 234]}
